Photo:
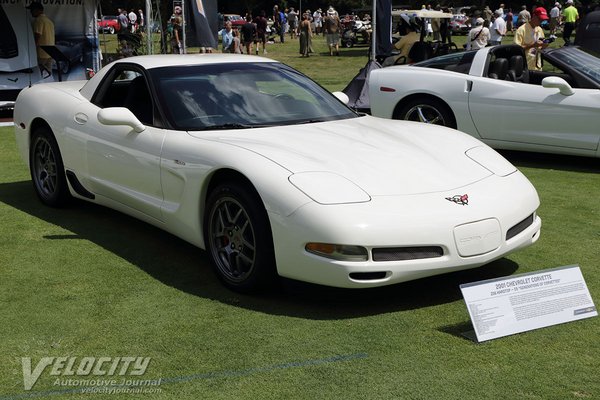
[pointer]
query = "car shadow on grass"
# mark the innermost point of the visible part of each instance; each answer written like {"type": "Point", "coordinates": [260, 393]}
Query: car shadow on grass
{"type": "Point", "coordinates": [552, 161]}
{"type": "Point", "coordinates": [185, 267]}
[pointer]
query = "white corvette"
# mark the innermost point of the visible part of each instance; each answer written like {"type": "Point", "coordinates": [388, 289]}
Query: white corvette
{"type": "Point", "coordinates": [271, 174]}
{"type": "Point", "coordinates": [490, 94]}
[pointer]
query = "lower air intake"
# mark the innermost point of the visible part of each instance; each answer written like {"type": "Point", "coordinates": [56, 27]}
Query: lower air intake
{"type": "Point", "coordinates": [367, 276]}
{"type": "Point", "coordinates": [407, 253]}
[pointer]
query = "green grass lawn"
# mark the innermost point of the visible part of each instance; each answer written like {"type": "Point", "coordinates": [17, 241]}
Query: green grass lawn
{"type": "Point", "coordinates": [86, 281]}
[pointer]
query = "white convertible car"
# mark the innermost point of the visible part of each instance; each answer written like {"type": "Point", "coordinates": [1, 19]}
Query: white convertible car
{"type": "Point", "coordinates": [271, 174]}
{"type": "Point", "coordinates": [490, 94]}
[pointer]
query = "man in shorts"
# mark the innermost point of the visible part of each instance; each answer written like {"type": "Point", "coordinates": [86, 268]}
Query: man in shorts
{"type": "Point", "coordinates": [332, 27]}
{"type": "Point", "coordinates": [261, 31]}
{"type": "Point", "coordinates": [248, 34]}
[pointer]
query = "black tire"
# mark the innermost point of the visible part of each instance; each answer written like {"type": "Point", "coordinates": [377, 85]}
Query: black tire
{"type": "Point", "coordinates": [427, 110]}
{"type": "Point", "coordinates": [348, 43]}
{"type": "Point", "coordinates": [239, 239]}
{"type": "Point", "coordinates": [111, 30]}
{"type": "Point", "coordinates": [47, 169]}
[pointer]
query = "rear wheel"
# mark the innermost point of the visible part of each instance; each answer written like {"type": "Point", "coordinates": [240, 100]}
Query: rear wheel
{"type": "Point", "coordinates": [239, 239]}
{"type": "Point", "coordinates": [427, 110]}
{"type": "Point", "coordinates": [47, 169]}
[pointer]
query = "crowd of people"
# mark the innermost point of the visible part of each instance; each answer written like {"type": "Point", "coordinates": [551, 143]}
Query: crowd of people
{"type": "Point", "coordinates": [489, 28]}
{"type": "Point", "coordinates": [131, 21]}
{"type": "Point", "coordinates": [254, 33]}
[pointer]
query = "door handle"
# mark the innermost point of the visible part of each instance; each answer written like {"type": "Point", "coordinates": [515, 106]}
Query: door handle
{"type": "Point", "coordinates": [469, 86]}
{"type": "Point", "coordinates": [81, 118]}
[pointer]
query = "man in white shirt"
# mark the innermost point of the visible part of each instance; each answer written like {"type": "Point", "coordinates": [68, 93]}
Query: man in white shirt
{"type": "Point", "coordinates": [498, 28]}
{"type": "Point", "coordinates": [478, 36]}
{"type": "Point", "coordinates": [132, 20]}
{"type": "Point", "coordinates": [554, 19]}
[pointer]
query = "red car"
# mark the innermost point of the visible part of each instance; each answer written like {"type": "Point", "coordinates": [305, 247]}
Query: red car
{"type": "Point", "coordinates": [109, 23]}
{"type": "Point", "coordinates": [236, 20]}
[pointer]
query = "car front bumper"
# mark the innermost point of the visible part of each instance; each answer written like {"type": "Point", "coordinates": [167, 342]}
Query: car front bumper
{"type": "Point", "coordinates": [412, 236]}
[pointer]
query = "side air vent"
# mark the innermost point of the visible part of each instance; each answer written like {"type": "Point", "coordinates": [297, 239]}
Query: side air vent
{"type": "Point", "coordinates": [406, 253]}
{"type": "Point", "coordinates": [78, 187]}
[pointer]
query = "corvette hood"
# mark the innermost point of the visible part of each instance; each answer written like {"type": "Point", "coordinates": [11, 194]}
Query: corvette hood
{"type": "Point", "coordinates": [381, 156]}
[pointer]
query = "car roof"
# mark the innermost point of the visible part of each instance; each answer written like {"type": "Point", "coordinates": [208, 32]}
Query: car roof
{"type": "Point", "coordinates": [169, 60]}
{"type": "Point", "coordinates": [172, 60]}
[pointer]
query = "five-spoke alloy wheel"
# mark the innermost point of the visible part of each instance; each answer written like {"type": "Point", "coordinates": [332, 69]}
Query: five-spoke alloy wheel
{"type": "Point", "coordinates": [427, 110]}
{"type": "Point", "coordinates": [47, 170]}
{"type": "Point", "coordinates": [239, 238]}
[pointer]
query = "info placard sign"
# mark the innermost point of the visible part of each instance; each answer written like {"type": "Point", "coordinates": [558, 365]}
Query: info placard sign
{"type": "Point", "coordinates": [508, 305]}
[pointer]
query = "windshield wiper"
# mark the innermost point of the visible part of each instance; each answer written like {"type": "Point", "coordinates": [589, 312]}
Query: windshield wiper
{"type": "Point", "coordinates": [230, 125]}
{"type": "Point", "coordinates": [310, 121]}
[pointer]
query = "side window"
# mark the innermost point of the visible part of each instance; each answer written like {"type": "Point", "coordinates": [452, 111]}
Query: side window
{"type": "Point", "coordinates": [126, 87]}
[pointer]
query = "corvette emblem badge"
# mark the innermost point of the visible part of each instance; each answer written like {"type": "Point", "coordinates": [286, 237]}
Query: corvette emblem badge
{"type": "Point", "coordinates": [462, 199]}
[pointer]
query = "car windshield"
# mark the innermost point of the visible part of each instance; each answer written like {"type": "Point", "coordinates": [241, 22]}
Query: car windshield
{"type": "Point", "coordinates": [582, 60]}
{"type": "Point", "coordinates": [243, 95]}
{"type": "Point", "coordinates": [457, 62]}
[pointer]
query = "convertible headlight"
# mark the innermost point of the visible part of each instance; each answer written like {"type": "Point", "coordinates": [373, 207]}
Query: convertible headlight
{"type": "Point", "coordinates": [491, 160]}
{"type": "Point", "coordinates": [340, 252]}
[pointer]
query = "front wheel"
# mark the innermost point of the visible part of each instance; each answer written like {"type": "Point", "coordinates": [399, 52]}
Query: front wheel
{"type": "Point", "coordinates": [111, 30]}
{"type": "Point", "coordinates": [239, 238]}
{"type": "Point", "coordinates": [427, 110]}
{"type": "Point", "coordinates": [47, 170]}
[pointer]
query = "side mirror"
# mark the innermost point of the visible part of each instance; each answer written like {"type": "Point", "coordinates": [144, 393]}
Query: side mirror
{"type": "Point", "coordinates": [120, 116]}
{"type": "Point", "coordinates": [341, 96]}
{"type": "Point", "coordinates": [558, 83]}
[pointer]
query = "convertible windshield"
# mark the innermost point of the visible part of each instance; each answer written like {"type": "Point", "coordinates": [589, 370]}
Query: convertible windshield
{"type": "Point", "coordinates": [457, 62]}
{"type": "Point", "coordinates": [584, 61]}
{"type": "Point", "coordinates": [243, 95]}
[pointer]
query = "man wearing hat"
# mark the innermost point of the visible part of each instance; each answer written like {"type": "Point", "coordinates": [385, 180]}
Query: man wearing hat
{"type": "Point", "coordinates": [478, 36]}
{"type": "Point", "coordinates": [332, 26]}
{"type": "Point", "coordinates": [570, 17]}
{"type": "Point", "coordinates": [43, 33]}
{"type": "Point", "coordinates": [530, 37]}
{"type": "Point", "coordinates": [318, 21]}
{"type": "Point", "coordinates": [497, 29]}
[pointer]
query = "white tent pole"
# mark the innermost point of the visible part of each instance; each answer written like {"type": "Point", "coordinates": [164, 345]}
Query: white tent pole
{"type": "Point", "coordinates": [374, 31]}
{"type": "Point", "coordinates": [148, 27]}
{"type": "Point", "coordinates": [183, 25]}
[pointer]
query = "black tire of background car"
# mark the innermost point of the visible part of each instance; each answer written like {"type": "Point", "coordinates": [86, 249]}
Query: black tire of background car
{"type": "Point", "coordinates": [237, 206]}
{"type": "Point", "coordinates": [47, 169]}
{"type": "Point", "coordinates": [430, 104]}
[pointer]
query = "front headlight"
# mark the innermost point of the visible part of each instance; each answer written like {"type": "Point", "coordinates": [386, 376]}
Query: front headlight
{"type": "Point", "coordinates": [328, 188]}
{"type": "Point", "coordinates": [491, 160]}
{"type": "Point", "coordinates": [340, 252]}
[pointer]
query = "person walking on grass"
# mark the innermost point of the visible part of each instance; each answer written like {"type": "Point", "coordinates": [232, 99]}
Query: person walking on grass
{"type": "Point", "coordinates": [248, 31]}
{"type": "Point", "coordinates": [570, 17]}
{"type": "Point", "coordinates": [332, 27]}
{"type": "Point", "coordinates": [261, 31]}
{"type": "Point", "coordinates": [305, 36]}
